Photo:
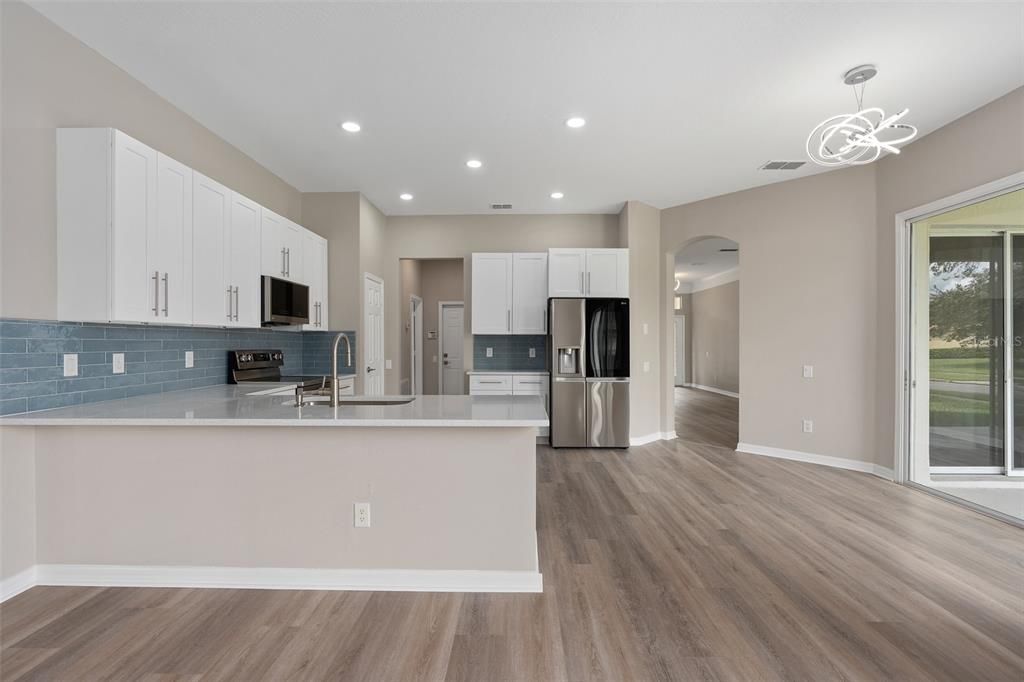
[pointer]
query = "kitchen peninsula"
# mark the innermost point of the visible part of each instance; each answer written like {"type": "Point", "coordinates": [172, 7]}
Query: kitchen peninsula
{"type": "Point", "coordinates": [219, 487]}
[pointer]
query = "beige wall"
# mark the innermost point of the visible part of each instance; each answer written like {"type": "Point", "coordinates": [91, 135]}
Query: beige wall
{"type": "Point", "coordinates": [215, 496]}
{"type": "Point", "coordinates": [335, 217]}
{"type": "Point", "coordinates": [818, 308]}
{"type": "Point", "coordinates": [640, 230]}
{"type": "Point", "coordinates": [17, 501]}
{"type": "Point", "coordinates": [51, 80]}
{"type": "Point", "coordinates": [984, 145]}
{"type": "Point", "coordinates": [458, 237]}
{"type": "Point", "coordinates": [411, 285]}
{"type": "Point", "coordinates": [714, 325]}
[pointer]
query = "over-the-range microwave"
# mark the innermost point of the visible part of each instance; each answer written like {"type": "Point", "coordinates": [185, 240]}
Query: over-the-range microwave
{"type": "Point", "coordinates": [284, 302]}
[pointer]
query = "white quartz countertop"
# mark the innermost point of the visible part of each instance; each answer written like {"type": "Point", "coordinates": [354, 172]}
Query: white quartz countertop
{"type": "Point", "coordinates": [539, 372]}
{"type": "Point", "coordinates": [233, 405]}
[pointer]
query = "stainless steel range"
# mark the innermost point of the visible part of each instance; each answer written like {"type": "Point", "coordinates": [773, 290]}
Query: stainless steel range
{"type": "Point", "coordinates": [264, 367]}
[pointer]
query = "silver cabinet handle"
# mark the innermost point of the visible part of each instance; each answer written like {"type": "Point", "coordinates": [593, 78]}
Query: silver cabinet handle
{"type": "Point", "coordinates": [588, 284]}
{"type": "Point", "coordinates": [229, 303]}
{"type": "Point", "coordinates": [166, 275]}
{"type": "Point", "coordinates": [288, 262]}
{"type": "Point", "coordinates": [236, 303]}
{"type": "Point", "coordinates": [284, 270]}
{"type": "Point", "coordinates": [156, 292]}
{"type": "Point", "coordinates": [489, 382]}
{"type": "Point", "coordinates": [508, 319]}
{"type": "Point", "coordinates": [582, 289]}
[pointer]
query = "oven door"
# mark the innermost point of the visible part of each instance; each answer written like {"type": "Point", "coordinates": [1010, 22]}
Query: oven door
{"type": "Point", "coordinates": [284, 302]}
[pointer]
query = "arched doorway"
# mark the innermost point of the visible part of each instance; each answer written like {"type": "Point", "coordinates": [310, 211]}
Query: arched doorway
{"type": "Point", "coordinates": [704, 371]}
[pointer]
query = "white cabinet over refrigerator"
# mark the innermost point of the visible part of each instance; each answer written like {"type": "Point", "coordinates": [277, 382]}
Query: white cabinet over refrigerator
{"type": "Point", "coordinates": [124, 230]}
{"type": "Point", "coordinates": [588, 273]}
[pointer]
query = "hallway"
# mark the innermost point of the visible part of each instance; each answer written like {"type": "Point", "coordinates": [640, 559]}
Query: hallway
{"type": "Point", "coordinates": [706, 417]}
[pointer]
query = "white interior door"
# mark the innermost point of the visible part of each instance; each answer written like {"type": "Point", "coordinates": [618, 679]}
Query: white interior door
{"type": "Point", "coordinates": [680, 350]}
{"type": "Point", "coordinates": [452, 366]}
{"type": "Point", "coordinates": [373, 335]}
{"type": "Point", "coordinates": [416, 345]}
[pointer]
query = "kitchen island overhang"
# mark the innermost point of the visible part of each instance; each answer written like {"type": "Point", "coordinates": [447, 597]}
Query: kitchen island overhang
{"type": "Point", "coordinates": [221, 489]}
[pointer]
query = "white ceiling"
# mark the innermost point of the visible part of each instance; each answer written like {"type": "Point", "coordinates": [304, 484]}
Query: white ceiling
{"type": "Point", "coordinates": [705, 258]}
{"type": "Point", "coordinates": [683, 101]}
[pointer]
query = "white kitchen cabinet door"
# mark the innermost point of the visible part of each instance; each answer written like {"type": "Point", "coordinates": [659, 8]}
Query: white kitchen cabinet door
{"type": "Point", "coordinates": [566, 272]}
{"type": "Point", "coordinates": [134, 283]}
{"type": "Point", "coordinates": [294, 237]}
{"type": "Point", "coordinates": [243, 261]}
{"type": "Point", "coordinates": [607, 273]}
{"type": "Point", "coordinates": [314, 267]}
{"type": "Point", "coordinates": [530, 293]}
{"type": "Point", "coordinates": [492, 293]}
{"type": "Point", "coordinates": [212, 298]}
{"type": "Point", "coordinates": [272, 244]}
{"type": "Point", "coordinates": [170, 253]}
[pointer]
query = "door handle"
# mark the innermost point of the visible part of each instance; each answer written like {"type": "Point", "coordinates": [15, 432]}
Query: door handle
{"type": "Point", "coordinates": [370, 369]}
{"type": "Point", "coordinates": [229, 303]}
{"type": "Point", "coordinates": [156, 292]}
{"type": "Point", "coordinates": [165, 293]}
{"type": "Point", "coordinates": [236, 303]}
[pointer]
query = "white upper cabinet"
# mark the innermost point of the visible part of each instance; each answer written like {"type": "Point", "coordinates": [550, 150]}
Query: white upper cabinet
{"type": "Point", "coordinates": [607, 273]}
{"type": "Point", "coordinates": [530, 293]}
{"type": "Point", "coordinates": [144, 238]}
{"type": "Point", "coordinates": [492, 293]}
{"type": "Point", "coordinates": [243, 262]}
{"type": "Point", "coordinates": [566, 272]}
{"type": "Point", "coordinates": [212, 297]}
{"type": "Point", "coordinates": [314, 268]}
{"type": "Point", "coordinates": [124, 230]}
{"type": "Point", "coordinates": [598, 273]}
{"type": "Point", "coordinates": [170, 253]}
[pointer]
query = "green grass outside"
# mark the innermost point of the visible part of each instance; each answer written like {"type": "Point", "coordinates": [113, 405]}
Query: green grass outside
{"type": "Point", "coordinates": [959, 409]}
{"type": "Point", "coordinates": [958, 369]}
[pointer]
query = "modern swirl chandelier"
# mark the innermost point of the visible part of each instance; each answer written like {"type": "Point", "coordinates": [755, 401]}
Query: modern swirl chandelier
{"type": "Point", "coordinates": [861, 138]}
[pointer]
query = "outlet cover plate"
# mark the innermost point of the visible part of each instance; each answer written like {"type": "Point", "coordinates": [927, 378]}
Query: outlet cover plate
{"type": "Point", "coordinates": [71, 364]}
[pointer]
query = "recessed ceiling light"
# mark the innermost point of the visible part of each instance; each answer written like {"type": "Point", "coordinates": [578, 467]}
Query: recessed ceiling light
{"type": "Point", "coordinates": [576, 122]}
{"type": "Point", "coordinates": [405, 196]}
{"type": "Point", "coordinates": [351, 127]}
{"type": "Point", "coordinates": [474, 163]}
{"type": "Point", "coordinates": [557, 195]}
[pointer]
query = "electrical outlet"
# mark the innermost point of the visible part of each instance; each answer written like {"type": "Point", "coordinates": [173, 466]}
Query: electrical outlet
{"type": "Point", "coordinates": [190, 359]}
{"type": "Point", "coordinates": [808, 426]}
{"type": "Point", "coordinates": [71, 364]}
{"type": "Point", "coordinates": [118, 359]}
{"type": "Point", "coordinates": [533, 352]}
{"type": "Point", "coordinates": [387, 364]}
{"type": "Point", "coordinates": [808, 371]}
{"type": "Point", "coordinates": [361, 515]}
{"type": "Point", "coordinates": [490, 352]}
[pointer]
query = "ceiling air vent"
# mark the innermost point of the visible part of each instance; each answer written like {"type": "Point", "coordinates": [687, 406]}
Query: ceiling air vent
{"type": "Point", "coordinates": [501, 207]}
{"type": "Point", "coordinates": [782, 165]}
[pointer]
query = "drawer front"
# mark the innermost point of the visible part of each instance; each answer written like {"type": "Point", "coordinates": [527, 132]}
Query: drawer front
{"type": "Point", "coordinates": [490, 383]}
{"type": "Point", "coordinates": [527, 384]}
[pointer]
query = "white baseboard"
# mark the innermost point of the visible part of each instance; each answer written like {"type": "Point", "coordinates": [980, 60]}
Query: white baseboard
{"type": "Point", "coordinates": [712, 389]}
{"type": "Point", "coordinates": [825, 460]}
{"type": "Point", "coordinates": [651, 437]}
{"type": "Point", "coordinates": [17, 583]}
{"type": "Point", "coordinates": [383, 580]}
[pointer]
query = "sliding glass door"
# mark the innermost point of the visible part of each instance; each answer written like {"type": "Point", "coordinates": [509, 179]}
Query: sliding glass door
{"type": "Point", "coordinates": [968, 353]}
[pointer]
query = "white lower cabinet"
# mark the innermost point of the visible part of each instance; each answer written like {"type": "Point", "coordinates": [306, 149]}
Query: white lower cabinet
{"type": "Point", "coordinates": [513, 383]}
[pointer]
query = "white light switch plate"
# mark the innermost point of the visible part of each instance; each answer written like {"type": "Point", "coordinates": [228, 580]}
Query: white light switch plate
{"type": "Point", "coordinates": [645, 329]}
{"type": "Point", "coordinates": [190, 359]}
{"type": "Point", "coordinates": [808, 371]}
{"type": "Point", "coordinates": [71, 364]}
{"type": "Point", "coordinates": [808, 426]}
{"type": "Point", "coordinates": [118, 359]}
{"type": "Point", "coordinates": [387, 364]}
{"type": "Point", "coordinates": [647, 366]}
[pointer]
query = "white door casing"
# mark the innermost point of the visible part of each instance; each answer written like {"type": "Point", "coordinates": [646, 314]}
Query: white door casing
{"type": "Point", "coordinates": [450, 315]}
{"type": "Point", "coordinates": [415, 345]}
{"type": "Point", "coordinates": [680, 350]}
{"type": "Point", "coordinates": [372, 340]}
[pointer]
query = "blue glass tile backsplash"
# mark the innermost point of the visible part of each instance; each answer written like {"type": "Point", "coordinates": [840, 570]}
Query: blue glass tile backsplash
{"type": "Point", "coordinates": [32, 357]}
{"type": "Point", "coordinates": [510, 352]}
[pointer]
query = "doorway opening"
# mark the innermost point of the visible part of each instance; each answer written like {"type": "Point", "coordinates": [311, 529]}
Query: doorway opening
{"type": "Point", "coordinates": [424, 283]}
{"type": "Point", "coordinates": [965, 341]}
{"type": "Point", "coordinates": [705, 370]}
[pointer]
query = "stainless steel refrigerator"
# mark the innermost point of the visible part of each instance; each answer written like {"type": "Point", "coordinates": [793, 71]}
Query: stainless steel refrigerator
{"type": "Point", "coordinates": [589, 372]}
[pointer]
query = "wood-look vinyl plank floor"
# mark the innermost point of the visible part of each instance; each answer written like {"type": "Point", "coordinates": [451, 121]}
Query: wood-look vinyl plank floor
{"type": "Point", "coordinates": [679, 560]}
